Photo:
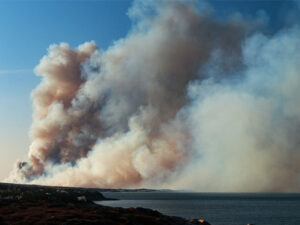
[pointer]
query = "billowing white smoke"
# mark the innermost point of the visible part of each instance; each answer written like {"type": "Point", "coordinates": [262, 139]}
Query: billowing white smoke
{"type": "Point", "coordinates": [245, 132]}
{"type": "Point", "coordinates": [183, 101]}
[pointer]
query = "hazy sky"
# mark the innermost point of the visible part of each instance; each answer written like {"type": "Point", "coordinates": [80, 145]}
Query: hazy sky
{"type": "Point", "coordinates": [29, 27]}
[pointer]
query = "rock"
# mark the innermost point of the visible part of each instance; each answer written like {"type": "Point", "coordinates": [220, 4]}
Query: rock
{"type": "Point", "coordinates": [202, 221]}
{"type": "Point", "coordinates": [82, 199]}
{"type": "Point", "coordinates": [198, 221]}
{"type": "Point", "coordinates": [62, 212]}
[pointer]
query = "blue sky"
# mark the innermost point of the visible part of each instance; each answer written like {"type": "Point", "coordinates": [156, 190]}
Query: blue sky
{"type": "Point", "coordinates": [27, 28]}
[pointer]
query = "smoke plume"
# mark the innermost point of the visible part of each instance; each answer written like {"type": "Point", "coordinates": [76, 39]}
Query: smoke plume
{"type": "Point", "coordinates": [183, 101]}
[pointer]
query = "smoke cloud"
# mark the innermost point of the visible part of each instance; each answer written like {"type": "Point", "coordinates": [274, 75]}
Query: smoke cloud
{"type": "Point", "coordinates": [183, 101]}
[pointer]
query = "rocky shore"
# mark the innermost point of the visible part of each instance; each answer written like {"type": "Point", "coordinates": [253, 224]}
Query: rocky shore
{"type": "Point", "coordinates": [27, 204]}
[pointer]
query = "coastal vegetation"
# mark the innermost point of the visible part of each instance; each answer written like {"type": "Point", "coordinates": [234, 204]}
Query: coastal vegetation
{"type": "Point", "coordinates": [34, 204]}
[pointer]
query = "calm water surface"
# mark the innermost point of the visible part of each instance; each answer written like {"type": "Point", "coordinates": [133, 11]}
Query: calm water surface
{"type": "Point", "coordinates": [218, 209]}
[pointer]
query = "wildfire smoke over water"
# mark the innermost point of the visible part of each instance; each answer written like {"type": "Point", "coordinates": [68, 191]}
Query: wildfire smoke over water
{"type": "Point", "coordinates": [184, 101]}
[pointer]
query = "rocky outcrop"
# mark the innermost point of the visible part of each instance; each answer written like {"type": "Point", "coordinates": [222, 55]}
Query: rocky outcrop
{"type": "Point", "coordinates": [46, 213]}
{"type": "Point", "coordinates": [198, 221]}
{"type": "Point", "coordinates": [33, 204]}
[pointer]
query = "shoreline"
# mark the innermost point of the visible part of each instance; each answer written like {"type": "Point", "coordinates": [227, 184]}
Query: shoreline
{"type": "Point", "coordinates": [26, 204]}
{"type": "Point", "coordinates": [45, 212]}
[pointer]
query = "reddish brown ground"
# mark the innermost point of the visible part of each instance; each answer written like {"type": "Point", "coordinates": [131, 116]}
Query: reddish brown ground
{"type": "Point", "coordinates": [43, 212]}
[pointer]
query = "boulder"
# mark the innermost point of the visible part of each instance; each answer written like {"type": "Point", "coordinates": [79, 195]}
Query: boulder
{"type": "Point", "coordinates": [82, 199]}
{"type": "Point", "coordinates": [198, 221]}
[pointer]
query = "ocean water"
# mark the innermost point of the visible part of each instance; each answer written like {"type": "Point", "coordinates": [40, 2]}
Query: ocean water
{"type": "Point", "coordinates": [217, 208]}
